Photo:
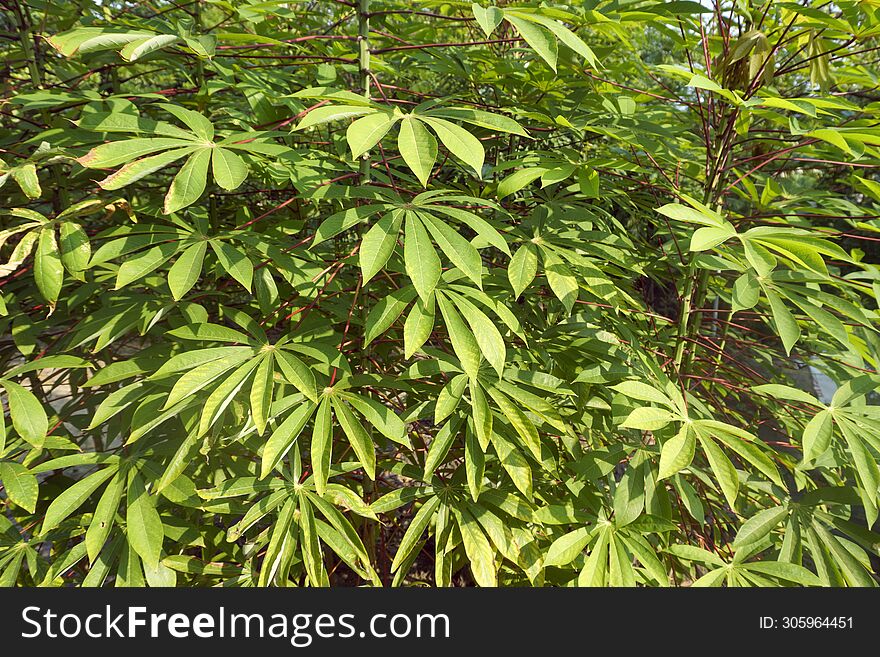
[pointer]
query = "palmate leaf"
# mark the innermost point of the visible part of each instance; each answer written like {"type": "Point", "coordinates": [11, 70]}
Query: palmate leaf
{"type": "Point", "coordinates": [370, 297]}
{"type": "Point", "coordinates": [228, 169]}
{"type": "Point", "coordinates": [417, 145]}
{"type": "Point", "coordinates": [131, 46]}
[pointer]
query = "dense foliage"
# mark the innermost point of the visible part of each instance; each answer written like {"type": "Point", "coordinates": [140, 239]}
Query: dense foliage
{"type": "Point", "coordinates": [395, 293]}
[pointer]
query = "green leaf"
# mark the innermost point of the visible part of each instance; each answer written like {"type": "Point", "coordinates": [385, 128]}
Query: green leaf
{"type": "Point", "coordinates": [73, 497]}
{"type": "Point", "coordinates": [541, 41]}
{"type": "Point", "coordinates": [74, 245]}
{"type": "Point", "coordinates": [418, 326]}
{"type": "Point", "coordinates": [866, 467]}
{"type": "Point", "coordinates": [327, 114]}
{"type": "Point", "coordinates": [235, 262]}
{"type": "Point", "coordinates": [462, 253]}
{"type": "Point", "coordinates": [692, 215]}
{"type": "Point", "coordinates": [488, 18]}
{"type": "Point", "coordinates": [136, 49]}
{"type": "Point", "coordinates": [117, 401]}
{"type": "Point", "coordinates": [145, 262]}
{"type": "Point", "coordinates": [185, 272]}
{"type": "Point", "coordinates": [28, 417]}
{"type": "Point", "coordinates": [784, 322]}
{"type": "Point", "coordinates": [523, 426]}
{"type": "Point", "coordinates": [342, 221]}
{"type": "Point", "coordinates": [228, 168]}
{"type": "Point", "coordinates": [142, 521]}
{"type": "Point", "coordinates": [629, 498]}
{"type": "Point", "coordinates": [144, 167]}
{"type": "Point", "coordinates": [515, 464]}
{"type": "Point", "coordinates": [643, 392]}
{"type": "Point", "coordinates": [709, 237]}
{"type": "Point", "coordinates": [414, 532]}
{"type": "Point", "coordinates": [20, 485]}
{"type": "Point", "coordinates": [475, 464]}
{"type": "Point", "coordinates": [677, 453]}
{"type": "Point", "coordinates": [386, 311]}
{"type": "Point", "coordinates": [722, 468]}
{"type": "Point", "coordinates": [561, 280]}
{"type": "Point", "coordinates": [519, 179]}
{"type": "Point", "coordinates": [223, 395]}
{"type": "Point", "coordinates": [480, 118]}
{"type": "Point", "coordinates": [746, 293]}
{"type": "Point", "coordinates": [368, 131]}
{"type": "Point", "coordinates": [648, 418]}
{"type": "Point", "coordinates": [420, 259]}
{"type": "Point", "coordinates": [854, 573]}
{"type": "Point", "coordinates": [759, 525]}
{"type": "Point", "coordinates": [297, 373]}
{"type": "Point", "coordinates": [565, 35]}
{"type": "Point", "coordinates": [178, 463]}
{"type": "Point", "coordinates": [460, 143]}
{"type": "Point", "coordinates": [449, 397]}
{"type": "Point", "coordinates": [27, 179]}
{"type": "Point", "coordinates": [464, 344]}
{"type": "Point", "coordinates": [478, 549]}
{"type": "Point", "coordinates": [284, 436]}
{"type": "Point", "coordinates": [277, 543]}
{"type": "Point", "coordinates": [437, 450]}
{"type": "Point", "coordinates": [311, 548]}
{"type": "Point", "coordinates": [790, 572]}
{"type": "Point", "coordinates": [104, 517]}
{"type": "Point", "coordinates": [360, 440]}
{"type": "Point", "coordinates": [198, 378]}
{"type": "Point", "coordinates": [48, 270]}
{"type": "Point", "coordinates": [418, 148]}
{"type": "Point", "coordinates": [567, 547]}
{"type": "Point", "coordinates": [381, 417]}
{"type": "Point", "coordinates": [189, 183]}
{"type": "Point", "coordinates": [817, 436]}
{"type": "Point", "coordinates": [522, 268]}
{"type": "Point", "coordinates": [195, 121]}
{"type": "Point", "coordinates": [322, 445]}
{"type": "Point", "coordinates": [120, 152]}
{"type": "Point", "coordinates": [486, 333]}
{"type": "Point", "coordinates": [481, 413]}
{"type": "Point", "coordinates": [378, 244]}
{"type": "Point", "coordinates": [262, 388]}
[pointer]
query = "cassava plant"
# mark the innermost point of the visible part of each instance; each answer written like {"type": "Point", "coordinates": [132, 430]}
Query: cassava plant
{"type": "Point", "coordinates": [385, 293]}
